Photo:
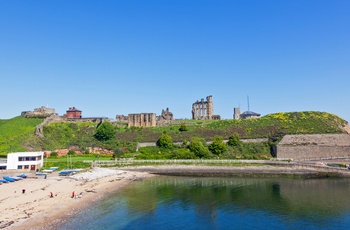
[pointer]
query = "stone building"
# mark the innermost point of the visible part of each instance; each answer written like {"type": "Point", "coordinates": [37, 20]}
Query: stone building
{"type": "Point", "coordinates": [314, 146]}
{"type": "Point", "coordinates": [166, 118]}
{"type": "Point", "coordinates": [121, 118]}
{"type": "Point", "coordinates": [73, 112]}
{"type": "Point", "coordinates": [236, 113]}
{"type": "Point", "coordinates": [142, 120]}
{"type": "Point", "coordinates": [245, 115]}
{"type": "Point", "coordinates": [146, 119]}
{"type": "Point", "coordinates": [204, 110]}
{"type": "Point", "coordinates": [39, 112]}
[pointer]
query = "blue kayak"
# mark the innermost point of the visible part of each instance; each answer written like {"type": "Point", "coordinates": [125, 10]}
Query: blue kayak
{"type": "Point", "coordinates": [10, 179]}
{"type": "Point", "coordinates": [22, 175]}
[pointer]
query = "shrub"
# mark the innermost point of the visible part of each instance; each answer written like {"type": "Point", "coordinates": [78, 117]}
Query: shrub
{"type": "Point", "coordinates": [198, 148]}
{"type": "Point", "coordinates": [234, 140]}
{"type": "Point", "coordinates": [53, 154]}
{"type": "Point", "coordinates": [183, 127]}
{"type": "Point", "coordinates": [182, 154]}
{"type": "Point", "coordinates": [165, 141]}
{"type": "Point", "coordinates": [218, 145]}
{"type": "Point", "coordinates": [117, 152]}
{"type": "Point", "coordinates": [105, 132]}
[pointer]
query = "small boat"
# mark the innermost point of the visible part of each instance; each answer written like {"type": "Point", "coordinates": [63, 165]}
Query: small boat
{"type": "Point", "coordinates": [40, 174]}
{"type": "Point", "coordinates": [17, 178]}
{"type": "Point", "coordinates": [10, 179]}
{"type": "Point", "coordinates": [65, 173]}
{"type": "Point", "coordinates": [22, 175]}
{"type": "Point", "coordinates": [53, 168]}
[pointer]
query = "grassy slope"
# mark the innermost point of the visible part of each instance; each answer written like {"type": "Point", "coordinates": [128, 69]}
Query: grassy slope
{"type": "Point", "coordinates": [272, 124]}
{"type": "Point", "coordinates": [17, 134]}
{"type": "Point", "coordinates": [14, 132]}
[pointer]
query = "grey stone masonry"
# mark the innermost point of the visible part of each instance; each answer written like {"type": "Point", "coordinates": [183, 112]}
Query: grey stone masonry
{"type": "Point", "coordinates": [314, 146]}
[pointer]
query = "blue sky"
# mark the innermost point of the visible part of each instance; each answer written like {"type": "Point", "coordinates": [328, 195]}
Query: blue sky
{"type": "Point", "coordinates": [119, 57]}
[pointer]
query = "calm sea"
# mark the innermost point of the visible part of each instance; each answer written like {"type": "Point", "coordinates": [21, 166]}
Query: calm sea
{"type": "Point", "coordinates": [221, 203]}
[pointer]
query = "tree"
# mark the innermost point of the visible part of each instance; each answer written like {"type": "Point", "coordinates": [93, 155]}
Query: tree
{"type": "Point", "coordinates": [197, 147]}
{"type": "Point", "coordinates": [234, 140]}
{"type": "Point", "coordinates": [165, 141]}
{"type": "Point", "coordinates": [104, 132]}
{"type": "Point", "coordinates": [218, 145]}
{"type": "Point", "coordinates": [117, 152]}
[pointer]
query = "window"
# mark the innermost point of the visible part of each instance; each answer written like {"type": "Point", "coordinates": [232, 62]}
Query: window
{"type": "Point", "coordinates": [26, 167]}
{"type": "Point", "coordinates": [19, 167]}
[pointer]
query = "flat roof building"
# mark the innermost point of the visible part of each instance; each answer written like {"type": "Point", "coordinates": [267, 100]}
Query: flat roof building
{"type": "Point", "coordinates": [25, 160]}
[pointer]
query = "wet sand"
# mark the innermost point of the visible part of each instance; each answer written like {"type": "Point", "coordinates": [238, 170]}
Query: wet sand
{"type": "Point", "coordinates": [34, 209]}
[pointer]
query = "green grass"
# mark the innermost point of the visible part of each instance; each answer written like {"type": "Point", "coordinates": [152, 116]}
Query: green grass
{"type": "Point", "coordinates": [14, 133]}
{"type": "Point", "coordinates": [272, 124]}
{"type": "Point", "coordinates": [74, 161]}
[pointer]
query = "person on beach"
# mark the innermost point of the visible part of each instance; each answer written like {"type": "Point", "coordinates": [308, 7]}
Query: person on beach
{"type": "Point", "coordinates": [51, 195]}
{"type": "Point", "coordinates": [23, 191]}
{"type": "Point", "coordinates": [73, 194]}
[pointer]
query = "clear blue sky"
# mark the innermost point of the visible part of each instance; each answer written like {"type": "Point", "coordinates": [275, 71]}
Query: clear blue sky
{"type": "Point", "coordinates": [118, 57]}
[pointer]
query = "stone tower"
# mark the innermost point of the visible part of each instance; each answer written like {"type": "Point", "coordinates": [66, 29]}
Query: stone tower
{"type": "Point", "coordinates": [236, 113]}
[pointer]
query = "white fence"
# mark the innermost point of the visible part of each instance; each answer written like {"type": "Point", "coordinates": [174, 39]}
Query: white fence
{"type": "Point", "coordinates": [181, 161]}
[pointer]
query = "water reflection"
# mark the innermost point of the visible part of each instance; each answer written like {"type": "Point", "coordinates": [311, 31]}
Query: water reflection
{"type": "Point", "coordinates": [315, 200]}
{"type": "Point", "coordinates": [221, 203]}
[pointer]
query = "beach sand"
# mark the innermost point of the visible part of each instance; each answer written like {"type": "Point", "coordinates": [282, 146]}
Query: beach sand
{"type": "Point", "coordinates": [34, 209]}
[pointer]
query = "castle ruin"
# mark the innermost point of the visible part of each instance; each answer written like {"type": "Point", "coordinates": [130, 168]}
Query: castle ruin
{"type": "Point", "coordinates": [204, 110]}
{"type": "Point", "coordinates": [165, 118]}
{"type": "Point", "coordinates": [142, 120]}
{"type": "Point", "coordinates": [39, 112]}
{"type": "Point", "coordinates": [146, 119]}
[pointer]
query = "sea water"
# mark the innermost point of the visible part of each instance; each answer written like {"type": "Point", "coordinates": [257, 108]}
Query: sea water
{"type": "Point", "coordinates": [221, 203]}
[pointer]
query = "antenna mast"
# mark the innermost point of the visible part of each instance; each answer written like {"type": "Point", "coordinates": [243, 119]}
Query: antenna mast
{"type": "Point", "coordinates": [248, 103]}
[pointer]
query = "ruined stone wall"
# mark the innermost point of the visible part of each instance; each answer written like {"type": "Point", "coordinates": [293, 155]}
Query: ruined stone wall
{"type": "Point", "coordinates": [121, 118]}
{"type": "Point", "coordinates": [203, 110]}
{"type": "Point", "coordinates": [55, 118]}
{"type": "Point", "coordinates": [39, 128]}
{"type": "Point", "coordinates": [166, 118]}
{"type": "Point", "coordinates": [142, 120]}
{"type": "Point", "coordinates": [39, 112]}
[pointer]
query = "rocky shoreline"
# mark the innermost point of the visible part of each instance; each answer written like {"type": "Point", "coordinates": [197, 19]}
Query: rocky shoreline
{"type": "Point", "coordinates": [292, 170]}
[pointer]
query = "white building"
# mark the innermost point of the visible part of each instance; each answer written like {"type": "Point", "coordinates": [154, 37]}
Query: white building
{"type": "Point", "coordinates": [25, 160]}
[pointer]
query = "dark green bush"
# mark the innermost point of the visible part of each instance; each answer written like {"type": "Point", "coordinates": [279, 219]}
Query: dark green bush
{"type": "Point", "coordinates": [53, 154]}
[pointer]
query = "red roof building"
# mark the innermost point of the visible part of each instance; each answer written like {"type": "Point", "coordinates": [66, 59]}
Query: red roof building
{"type": "Point", "coordinates": [73, 113]}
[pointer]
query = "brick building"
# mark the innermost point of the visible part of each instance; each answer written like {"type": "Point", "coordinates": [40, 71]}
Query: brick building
{"type": "Point", "coordinates": [73, 113]}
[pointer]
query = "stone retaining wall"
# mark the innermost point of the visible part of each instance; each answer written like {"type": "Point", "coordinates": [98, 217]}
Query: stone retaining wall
{"type": "Point", "coordinates": [317, 146]}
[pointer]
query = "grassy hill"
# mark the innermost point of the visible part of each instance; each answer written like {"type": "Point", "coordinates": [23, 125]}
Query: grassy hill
{"type": "Point", "coordinates": [266, 126]}
{"type": "Point", "coordinates": [17, 134]}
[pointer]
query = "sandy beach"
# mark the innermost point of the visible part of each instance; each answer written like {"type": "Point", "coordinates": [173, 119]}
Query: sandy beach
{"type": "Point", "coordinates": [35, 209]}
